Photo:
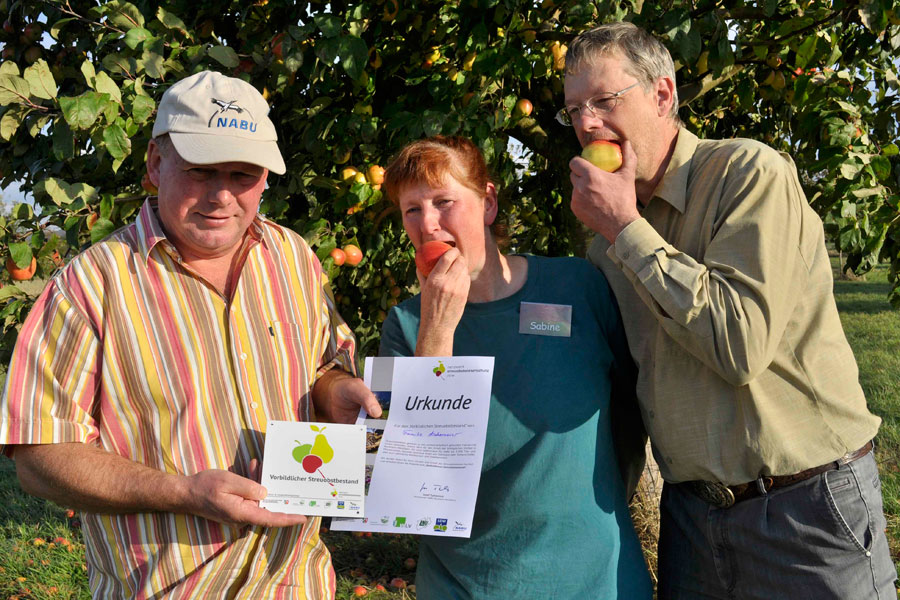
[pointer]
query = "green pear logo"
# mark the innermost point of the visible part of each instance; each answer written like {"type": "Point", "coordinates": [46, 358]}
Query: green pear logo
{"type": "Point", "coordinates": [438, 370]}
{"type": "Point", "coordinates": [312, 456]}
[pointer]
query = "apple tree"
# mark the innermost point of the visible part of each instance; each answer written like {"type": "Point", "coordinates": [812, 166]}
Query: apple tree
{"type": "Point", "coordinates": [351, 82]}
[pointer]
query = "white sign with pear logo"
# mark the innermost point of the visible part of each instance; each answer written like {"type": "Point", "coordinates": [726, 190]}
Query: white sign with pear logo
{"type": "Point", "coordinates": [314, 468]}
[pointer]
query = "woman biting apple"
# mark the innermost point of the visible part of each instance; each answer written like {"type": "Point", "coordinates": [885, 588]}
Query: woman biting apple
{"type": "Point", "coordinates": [551, 518]}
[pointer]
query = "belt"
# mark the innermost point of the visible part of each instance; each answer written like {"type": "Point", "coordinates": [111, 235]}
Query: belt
{"type": "Point", "coordinates": [725, 496]}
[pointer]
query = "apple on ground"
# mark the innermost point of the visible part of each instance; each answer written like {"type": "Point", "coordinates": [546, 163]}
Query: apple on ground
{"type": "Point", "coordinates": [359, 591]}
{"type": "Point", "coordinates": [603, 155]}
{"type": "Point", "coordinates": [428, 254]}
{"type": "Point", "coordinates": [398, 582]}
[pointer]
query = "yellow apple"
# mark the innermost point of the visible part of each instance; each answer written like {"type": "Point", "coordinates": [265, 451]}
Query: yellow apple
{"type": "Point", "coordinates": [603, 155]}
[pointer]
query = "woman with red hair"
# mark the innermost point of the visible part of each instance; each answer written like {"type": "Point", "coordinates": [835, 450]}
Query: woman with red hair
{"type": "Point", "coordinates": [551, 518]}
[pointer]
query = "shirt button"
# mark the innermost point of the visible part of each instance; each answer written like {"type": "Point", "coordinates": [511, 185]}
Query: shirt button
{"type": "Point", "coordinates": [254, 405]}
{"type": "Point", "coordinates": [243, 356]}
{"type": "Point", "coordinates": [652, 414]}
{"type": "Point", "coordinates": [626, 255]}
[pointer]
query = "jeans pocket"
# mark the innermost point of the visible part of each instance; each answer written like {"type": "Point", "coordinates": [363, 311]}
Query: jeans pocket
{"type": "Point", "coordinates": [849, 507]}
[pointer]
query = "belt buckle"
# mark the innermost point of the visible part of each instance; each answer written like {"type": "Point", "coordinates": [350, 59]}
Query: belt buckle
{"type": "Point", "coordinates": [717, 494]}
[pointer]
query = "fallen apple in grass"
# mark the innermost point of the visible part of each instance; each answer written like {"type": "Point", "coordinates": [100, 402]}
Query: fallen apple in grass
{"type": "Point", "coordinates": [428, 254]}
{"type": "Point", "coordinates": [603, 155]}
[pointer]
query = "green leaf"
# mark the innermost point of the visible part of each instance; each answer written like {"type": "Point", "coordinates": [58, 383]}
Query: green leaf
{"type": "Point", "coordinates": [36, 125]}
{"type": "Point", "coordinates": [21, 254]}
{"type": "Point", "coordinates": [13, 89]}
{"type": "Point", "coordinates": [124, 15]}
{"type": "Point", "coordinates": [171, 21]}
{"type": "Point", "coordinates": [59, 191]}
{"type": "Point", "coordinates": [9, 291]}
{"type": "Point", "coordinates": [8, 67]}
{"type": "Point", "coordinates": [354, 54]}
{"type": "Point", "coordinates": [106, 206]}
{"type": "Point", "coordinates": [890, 150]}
{"type": "Point", "coordinates": [328, 50]}
{"type": "Point", "coordinates": [432, 122]}
{"type": "Point", "coordinates": [153, 64]}
{"type": "Point", "coordinates": [62, 193]}
{"type": "Point", "coordinates": [82, 111]}
{"type": "Point", "coordinates": [101, 229]}
{"type": "Point", "coordinates": [120, 64]}
{"type": "Point", "coordinates": [881, 166]}
{"type": "Point", "coordinates": [106, 85]}
{"type": "Point", "coordinates": [225, 56]}
{"type": "Point", "coordinates": [57, 26]}
{"type": "Point", "coordinates": [850, 169]}
{"type": "Point", "coordinates": [689, 44]}
{"type": "Point", "coordinates": [135, 37]}
{"type": "Point", "coordinates": [329, 25]}
{"type": "Point", "coordinates": [806, 51]}
{"type": "Point", "coordinates": [142, 108]}
{"type": "Point", "coordinates": [63, 141]}
{"type": "Point", "coordinates": [90, 74]}
{"type": "Point", "coordinates": [40, 80]}
{"type": "Point", "coordinates": [11, 120]}
{"type": "Point", "coordinates": [117, 143]}
{"type": "Point", "coordinates": [22, 211]}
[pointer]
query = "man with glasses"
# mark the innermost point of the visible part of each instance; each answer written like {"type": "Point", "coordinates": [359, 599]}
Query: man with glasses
{"type": "Point", "coordinates": [747, 385]}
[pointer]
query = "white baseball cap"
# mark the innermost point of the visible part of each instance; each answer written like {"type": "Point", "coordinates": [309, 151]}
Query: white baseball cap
{"type": "Point", "coordinates": [212, 118]}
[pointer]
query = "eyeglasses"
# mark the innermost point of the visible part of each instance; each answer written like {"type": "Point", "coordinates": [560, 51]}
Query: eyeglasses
{"type": "Point", "coordinates": [598, 105]}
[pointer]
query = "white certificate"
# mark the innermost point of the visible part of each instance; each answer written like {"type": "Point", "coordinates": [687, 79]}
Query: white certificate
{"type": "Point", "coordinates": [425, 458]}
{"type": "Point", "coordinates": [314, 468]}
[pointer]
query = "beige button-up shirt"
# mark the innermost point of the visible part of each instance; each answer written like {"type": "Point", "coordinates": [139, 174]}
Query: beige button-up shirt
{"type": "Point", "coordinates": [725, 288]}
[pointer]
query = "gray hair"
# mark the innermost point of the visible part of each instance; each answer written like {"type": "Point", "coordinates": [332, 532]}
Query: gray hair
{"type": "Point", "coordinates": [648, 59]}
{"type": "Point", "coordinates": [164, 144]}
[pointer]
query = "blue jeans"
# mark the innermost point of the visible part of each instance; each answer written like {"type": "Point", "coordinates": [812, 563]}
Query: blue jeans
{"type": "Point", "coordinates": [818, 539]}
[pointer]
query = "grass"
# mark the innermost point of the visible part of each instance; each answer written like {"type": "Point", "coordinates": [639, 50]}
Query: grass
{"type": "Point", "coordinates": [873, 330]}
{"type": "Point", "coordinates": [42, 552]}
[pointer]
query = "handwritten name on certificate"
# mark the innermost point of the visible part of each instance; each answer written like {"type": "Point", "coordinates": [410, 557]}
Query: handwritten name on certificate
{"type": "Point", "coordinates": [424, 459]}
{"type": "Point", "coordinates": [314, 468]}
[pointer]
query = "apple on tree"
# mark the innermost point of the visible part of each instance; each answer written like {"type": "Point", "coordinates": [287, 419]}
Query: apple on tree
{"type": "Point", "coordinates": [352, 254]}
{"type": "Point", "coordinates": [603, 155]}
{"type": "Point", "coordinates": [338, 256]}
{"type": "Point", "coordinates": [523, 107]}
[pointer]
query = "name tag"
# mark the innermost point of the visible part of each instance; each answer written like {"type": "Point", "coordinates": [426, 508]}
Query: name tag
{"type": "Point", "coordinates": [536, 318]}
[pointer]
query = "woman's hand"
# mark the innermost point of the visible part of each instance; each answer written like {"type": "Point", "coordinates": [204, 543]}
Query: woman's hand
{"type": "Point", "coordinates": [444, 295]}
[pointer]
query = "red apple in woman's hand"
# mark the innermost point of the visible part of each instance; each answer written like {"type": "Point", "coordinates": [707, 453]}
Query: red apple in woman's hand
{"type": "Point", "coordinates": [428, 254]}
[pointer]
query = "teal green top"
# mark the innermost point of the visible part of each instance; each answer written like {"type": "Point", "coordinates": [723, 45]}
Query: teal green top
{"type": "Point", "coordinates": [551, 518]}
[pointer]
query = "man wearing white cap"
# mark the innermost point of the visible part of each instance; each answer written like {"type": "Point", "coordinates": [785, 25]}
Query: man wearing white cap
{"type": "Point", "coordinates": [144, 376]}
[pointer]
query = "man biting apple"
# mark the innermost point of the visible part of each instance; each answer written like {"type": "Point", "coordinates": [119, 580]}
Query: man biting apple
{"type": "Point", "coordinates": [746, 382]}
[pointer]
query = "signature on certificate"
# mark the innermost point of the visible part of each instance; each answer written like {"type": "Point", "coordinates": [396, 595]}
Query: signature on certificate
{"type": "Point", "coordinates": [434, 487]}
{"type": "Point", "coordinates": [430, 433]}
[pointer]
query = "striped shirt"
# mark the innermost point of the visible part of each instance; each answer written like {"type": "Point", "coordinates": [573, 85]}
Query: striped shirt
{"type": "Point", "coordinates": [130, 349]}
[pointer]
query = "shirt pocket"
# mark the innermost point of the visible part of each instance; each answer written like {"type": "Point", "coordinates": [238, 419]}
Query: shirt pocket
{"type": "Point", "coordinates": [290, 371]}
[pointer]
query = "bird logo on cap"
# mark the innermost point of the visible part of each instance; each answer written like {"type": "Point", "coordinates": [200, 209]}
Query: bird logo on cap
{"type": "Point", "coordinates": [225, 107]}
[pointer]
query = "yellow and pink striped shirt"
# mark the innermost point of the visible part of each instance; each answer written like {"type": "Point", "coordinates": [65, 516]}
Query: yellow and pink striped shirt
{"type": "Point", "coordinates": [129, 349]}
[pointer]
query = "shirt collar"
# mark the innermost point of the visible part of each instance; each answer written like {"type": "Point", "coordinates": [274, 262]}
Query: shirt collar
{"type": "Point", "coordinates": [150, 231]}
{"type": "Point", "coordinates": [673, 186]}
